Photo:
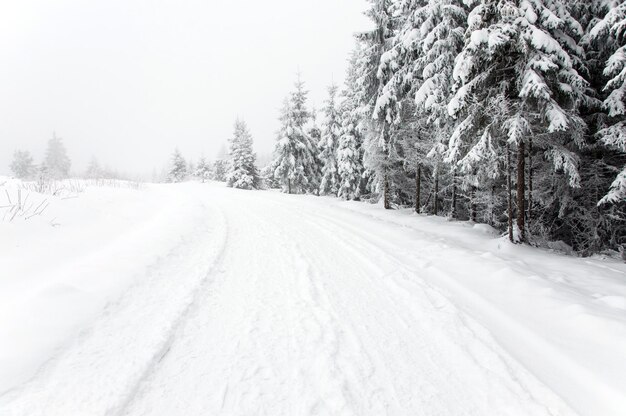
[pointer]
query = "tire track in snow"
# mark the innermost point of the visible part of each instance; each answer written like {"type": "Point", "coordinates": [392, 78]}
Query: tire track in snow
{"type": "Point", "coordinates": [334, 390]}
{"type": "Point", "coordinates": [160, 353]}
{"type": "Point", "coordinates": [353, 377]}
{"type": "Point", "coordinates": [486, 350]}
{"type": "Point", "coordinates": [201, 374]}
{"type": "Point", "coordinates": [311, 316]}
{"type": "Point", "coordinates": [281, 352]}
{"type": "Point", "coordinates": [316, 332]}
{"type": "Point", "coordinates": [99, 373]}
{"type": "Point", "coordinates": [517, 332]}
{"type": "Point", "coordinates": [342, 365]}
{"type": "Point", "coordinates": [439, 301]}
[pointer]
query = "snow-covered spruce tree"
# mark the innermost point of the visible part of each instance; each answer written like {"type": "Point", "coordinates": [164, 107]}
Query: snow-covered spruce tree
{"type": "Point", "coordinates": [220, 168]}
{"type": "Point", "coordinates": [404, 175]}
{"type": "Point", "coordinates": [315, 133]}
{"type": "Point", "coordinates": [22, 164]}
{"type": "Point", "coordinates": [329, 144]}
{"type": "Point", "coordinates": [203, 170]}
{"type": "Point", "coordinates": [581, 223]}
{"type": "Point", "coordinates": [611, 30]}
{"type": "Point", "coordinates": [514, 55]}
{"type": "Point", "coordinates": [375, 101]}
{"type": "Point", "coordinates": [57, 163]}
{"type": "Point", "coordinates": [442, 24]}
{"type": "Point", "coordinates": [295, 154]}
{"type": "Point", "coordinates": [94, 170]}
{"type": "Point", "coordinates": [268, 179]}
{"type": "Point", "coordinates": [601, 225]}
{"type": "Point", "coordinates": [191, 169]}
{"type": "Point", "coordinates": [584, 224]}
{"type": "Point", "coordinates": [242, 171]}
{"type": "Point", "coordinates": [419, 67]}
{"type": "Point", "coordinates": [350, 147]}
{"type": "Point", "coordinates": [178, 168]}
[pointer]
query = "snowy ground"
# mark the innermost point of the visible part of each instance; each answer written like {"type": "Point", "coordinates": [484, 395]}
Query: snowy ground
{"type": "Point", "coordinates": [197, 299]}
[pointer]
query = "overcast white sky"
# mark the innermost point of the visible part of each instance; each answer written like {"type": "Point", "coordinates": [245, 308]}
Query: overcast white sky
{"type": "Point", "coordinates": [129, 80]}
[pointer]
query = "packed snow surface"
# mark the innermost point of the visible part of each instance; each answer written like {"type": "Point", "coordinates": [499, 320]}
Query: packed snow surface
{"type": "Point", "coordinates": [196, 299]}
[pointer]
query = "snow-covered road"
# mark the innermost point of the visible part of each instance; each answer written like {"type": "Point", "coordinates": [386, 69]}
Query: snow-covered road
{"type": "Point", "coordinates": [296, 305]}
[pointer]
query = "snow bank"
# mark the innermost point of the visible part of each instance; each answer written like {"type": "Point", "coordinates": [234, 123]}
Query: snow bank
{"type": "Point", "coordinates": [59, 270]}
{"type": "Point", "coordinates": [563, 317]}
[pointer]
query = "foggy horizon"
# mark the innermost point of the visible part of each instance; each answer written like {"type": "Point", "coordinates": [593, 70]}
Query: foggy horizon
{"type": "Point", "coordinates": [127, 82]}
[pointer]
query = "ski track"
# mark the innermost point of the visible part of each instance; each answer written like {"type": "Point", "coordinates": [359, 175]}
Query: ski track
{"type": "Point", "coordinates": [274, 307]}
{"type": "Point", "coordinates": [99, 372]}
{"type": "Point", "coordinates": [565, 371]}
{"type": "Point", "coordinates": [288, 332]}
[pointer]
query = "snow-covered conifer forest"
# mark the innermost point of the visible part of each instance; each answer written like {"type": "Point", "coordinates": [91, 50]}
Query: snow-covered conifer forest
{"type": "Point", "coordinates": [500, 112]}
{"type": "Point", "coordinates": [440, 229]}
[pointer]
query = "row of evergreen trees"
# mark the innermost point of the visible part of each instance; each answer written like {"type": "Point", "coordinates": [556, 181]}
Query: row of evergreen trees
{"type": "Point", "coordinates": [238, 169]}
{"type": "Point", "coordinates": [509, 112]}
{"type": "Point", "coordinates": [180, 169]}
{"type": "Point", "coordinates": [55, 165]}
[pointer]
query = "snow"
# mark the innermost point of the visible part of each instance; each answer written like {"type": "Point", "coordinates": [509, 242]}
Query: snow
{"type": "Point", "coordinates": [543, 41]}
{"type": "Point", "coordinates": [617, 192]}
{"type": "Point", "coordinates": [479, 37]}
{"type": "Point", "coordinates": [557, 117]}
{"type": "Point", "coordinates": [533, 86]}
{"type": "Point", "coordinates": [62, 269]}
{"type": "Point", "coordinates": [529, 13]}
{"type": "Point", "coordinates": [191, 299]}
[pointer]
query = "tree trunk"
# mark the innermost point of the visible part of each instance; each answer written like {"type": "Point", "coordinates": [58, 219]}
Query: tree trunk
{"type": "Point", "coordinates": [473, 204]}
{"type": "Point", "coordinates": [453, 208]}
{"type": "Point", "coordinates": [508, 189]}
{"type": "Point", "coordinates": [493, 205]}
{"type": "Point", "coordinates": [530, 182]}
{"type": "Point", "coordinates": [418, 184]}
{"type": "Point", "coordinates": [288, 185]}
{"type": "Point", "coordinates": [387, 203]}
{"type": "Point", "coordinates": [436, 192]}
{"type": "Point", "coordinates": [521, 191]}
{"type": "Point", "coordinates": [430, 195]}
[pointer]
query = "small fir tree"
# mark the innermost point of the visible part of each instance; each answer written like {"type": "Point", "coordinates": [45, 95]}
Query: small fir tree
{"type": "Point", "coordinates": [94, 170]}
{"type": "Point", "coordinates": [295, 155]}
{"type": "Point", "coordinates": [57, 162]}
{"type": "Point", "coordinates": [203, 170]}
{"type": "Point", "coordinates": [22, 165]}
{"type": "Point", "coordinates": [219, 170]}
{"type": "Point", "coordinates": [242, 172]}
{"type": "Point", "coordinates": [178, 168]}
{"type": "Point", "coordinates": [329, 144]}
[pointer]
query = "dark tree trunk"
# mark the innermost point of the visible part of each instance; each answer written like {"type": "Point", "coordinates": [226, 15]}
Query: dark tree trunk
{"type": "Point", "coordinates": [530, 183]}
{"type": "Point", "coordinates": [493, 205]}
{"type": "Point", "coordinates": [386, 185]}
{"type": "Point", "coordinates": [508, 190]}
{"type": "Point", "coordinates": [473, 204]}
{"type": "Point", "coordinates": [387, 203]}
{"type": "Point", "coordinates": [418, 184]}
{"type": "Point", "coordinates": [453, 208]}
{"type": "Point", "coordinates": [436, 192]}
{"type": "Point", "coordinates": [430, 195]}
{"type": "Point", "coordinates": [521, 191]}
{"type": "Point", "coordinates": [289, 185]}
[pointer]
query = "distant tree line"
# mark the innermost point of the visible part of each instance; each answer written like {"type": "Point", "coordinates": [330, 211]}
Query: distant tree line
{"type": "Point", "coordinates": [237, 167]}
{"type": "Point", "coordinates": [505, 112]}
{"type": "Point", "coordinates": [56, 164]}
